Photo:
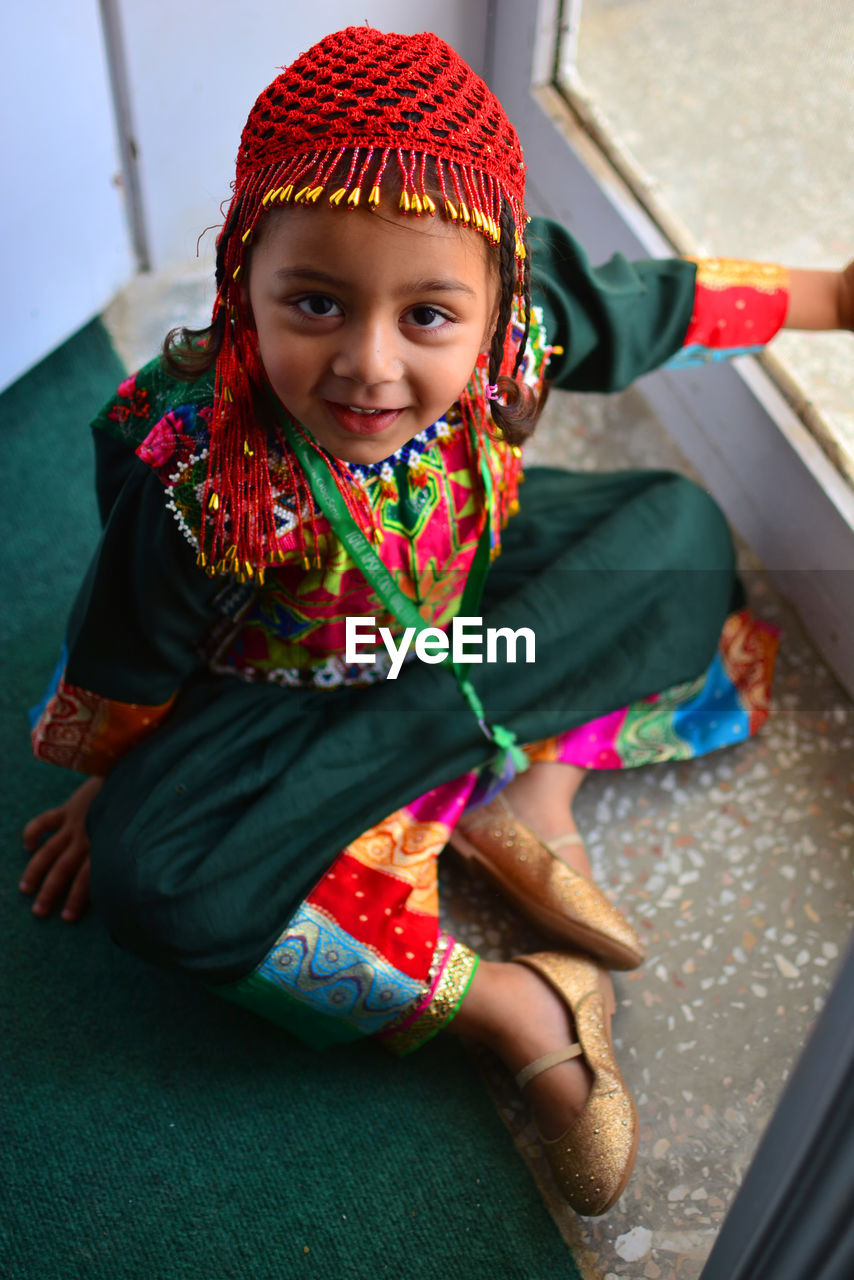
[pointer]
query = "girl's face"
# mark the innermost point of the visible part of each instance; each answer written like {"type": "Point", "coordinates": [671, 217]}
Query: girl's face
{"type": "Point", "coordinates": [369, 327]}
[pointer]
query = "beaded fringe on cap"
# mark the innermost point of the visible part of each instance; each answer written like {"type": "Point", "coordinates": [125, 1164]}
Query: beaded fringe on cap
{"type": "Point", "coordinates": [468, 195]}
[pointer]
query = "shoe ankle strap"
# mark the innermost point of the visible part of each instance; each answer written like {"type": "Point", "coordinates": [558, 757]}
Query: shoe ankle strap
{"type": "Point", "coordinates": [571, 837]}
{"type": "Point", "coordinates": [539, 1065]}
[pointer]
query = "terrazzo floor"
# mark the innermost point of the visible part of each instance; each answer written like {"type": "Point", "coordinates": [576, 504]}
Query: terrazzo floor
{"type": "Point", "coordinates": [735, 867]}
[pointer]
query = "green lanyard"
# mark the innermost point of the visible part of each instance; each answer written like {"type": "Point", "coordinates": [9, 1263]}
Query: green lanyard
{"type": "Point", "coordinates": [328, 497]}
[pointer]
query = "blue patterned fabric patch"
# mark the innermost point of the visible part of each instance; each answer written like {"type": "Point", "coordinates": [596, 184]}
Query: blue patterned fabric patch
{"type": "Point", "coordinates": [715, 717]}
{"type": "Point", "coordinates": [322, 965]}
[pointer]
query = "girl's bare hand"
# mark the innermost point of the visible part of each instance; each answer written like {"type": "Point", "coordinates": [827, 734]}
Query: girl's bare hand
{"type": "Point", "coordinates": [59, 844]}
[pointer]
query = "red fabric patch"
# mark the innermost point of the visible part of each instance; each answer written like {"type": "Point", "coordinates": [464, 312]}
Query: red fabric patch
{"type": "Point", "coordinates": [371, 906]}
{"type": "Point", "coordinates": [737, 304]}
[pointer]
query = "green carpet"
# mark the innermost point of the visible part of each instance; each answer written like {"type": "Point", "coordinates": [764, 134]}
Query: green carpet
{"type": "Point", "coordinates": [150, 1130]}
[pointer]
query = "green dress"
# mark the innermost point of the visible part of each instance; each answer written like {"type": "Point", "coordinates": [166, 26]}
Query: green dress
{"type": "Point", "coordinates": [273, 812]}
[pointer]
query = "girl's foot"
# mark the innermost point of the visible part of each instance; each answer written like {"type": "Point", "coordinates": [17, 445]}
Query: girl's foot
{"type": "Point", "coordinates": [555, 1030]}
{"type": "Point", "coordinates": [519, 1016]}
{"type": "Point", "coordinates": [541, 798]}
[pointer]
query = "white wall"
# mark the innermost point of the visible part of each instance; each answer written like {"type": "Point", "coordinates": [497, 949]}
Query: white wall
{"type": "Point", "coordinates": [195, 69]}
{"type": "Point", "coordinates": [66, 247]}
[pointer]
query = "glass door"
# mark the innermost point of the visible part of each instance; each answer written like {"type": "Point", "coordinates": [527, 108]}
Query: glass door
{"type": "Point", "coordinates": [734, 124]}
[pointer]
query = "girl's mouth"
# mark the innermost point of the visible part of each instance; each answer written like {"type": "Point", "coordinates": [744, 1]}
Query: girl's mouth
{"type": "Point", "coordinates": [362, 422]}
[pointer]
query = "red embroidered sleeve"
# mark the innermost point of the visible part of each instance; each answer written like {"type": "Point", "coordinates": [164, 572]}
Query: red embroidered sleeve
{"type": "Point", "coordinates": [738, 307]}
{"type": "Point", "coordinates": [82, 730]}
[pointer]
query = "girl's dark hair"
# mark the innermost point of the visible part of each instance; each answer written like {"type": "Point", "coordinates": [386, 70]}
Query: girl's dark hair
{"type": "Point", "coordinates": [190, 353]}
{"type": "Point", "coordinates": [516, 418]}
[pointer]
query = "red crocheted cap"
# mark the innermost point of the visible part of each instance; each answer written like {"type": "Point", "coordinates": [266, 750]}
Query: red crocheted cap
{"type": "Point", "coordinates": [384, 98]}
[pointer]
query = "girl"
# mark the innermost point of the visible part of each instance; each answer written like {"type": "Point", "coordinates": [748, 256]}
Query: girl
{"type": "Point", "coordinates": [266, 807]}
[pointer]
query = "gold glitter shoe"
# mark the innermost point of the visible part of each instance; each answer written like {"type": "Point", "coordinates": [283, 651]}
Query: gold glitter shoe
{"type": "Point", "coordinates": [561, 901]}
{"type": "Point", "coordinates": [593, 1160]}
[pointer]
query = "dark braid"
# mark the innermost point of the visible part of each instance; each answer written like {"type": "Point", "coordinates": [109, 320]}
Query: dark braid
{"type": "Point", "coordinates": [526, 302]}
{"type": "Point", "coordinates": [507, 278]}
{"type": "Point", "coordinates": [516, 418]}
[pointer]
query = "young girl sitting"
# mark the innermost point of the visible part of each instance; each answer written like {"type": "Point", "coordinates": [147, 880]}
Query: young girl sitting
{"type": "Point", "coordinates": [267, 803]}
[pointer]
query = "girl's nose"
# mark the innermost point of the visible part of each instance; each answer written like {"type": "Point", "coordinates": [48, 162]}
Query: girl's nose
{"type": "Point", "coordinates": [368, 353]}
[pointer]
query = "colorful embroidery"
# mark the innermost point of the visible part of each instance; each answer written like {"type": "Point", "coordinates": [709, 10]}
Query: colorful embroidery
{"type": "Point", "coordinates": [132, 402]}
{"type": "Point", "coordinates": [726, 705]}
{"type": "Point", "coordinates": [748, 650]}
{"type": "Point", "coordinates": [452, 974]}
{"type": "Point", "coordinates": [426, 504]}
{"type": "Point", "coordinates": [364, 951]}
{"type": "Point", "coordinates": [378, 909]}
{"type": "Point", "coordinates": [735, 273]}
{"type": "Point", "coordinates": [80, 730]}
{"type": "Point", "coordinates": [406, 849]}
{"type": "Point", "coordinates": [178, 439]}
{"type": "Point", "coordinates": [317, 963]}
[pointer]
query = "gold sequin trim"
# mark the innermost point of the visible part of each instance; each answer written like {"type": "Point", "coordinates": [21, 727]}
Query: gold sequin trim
{"type": "Point", "coordinates": [447, 998]}
{"type": "Point", "coordinates": [734, 273]}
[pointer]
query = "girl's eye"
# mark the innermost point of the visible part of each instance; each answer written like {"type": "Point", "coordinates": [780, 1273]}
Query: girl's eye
{"type": "Point", "coordinates": [428, 317]}
{"type": "Point", "coordinates": [318, 305]}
